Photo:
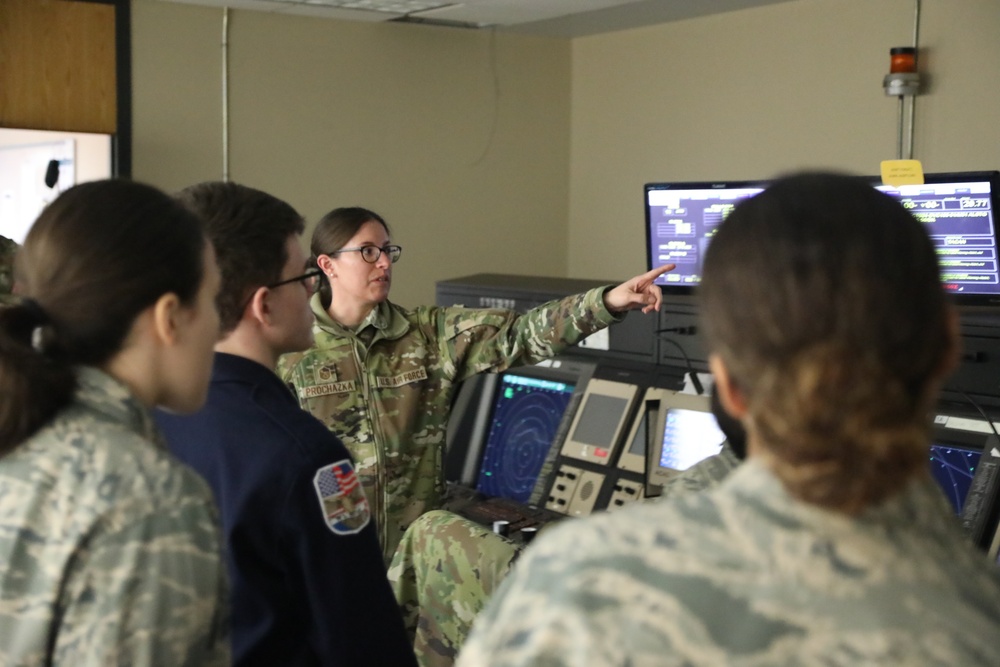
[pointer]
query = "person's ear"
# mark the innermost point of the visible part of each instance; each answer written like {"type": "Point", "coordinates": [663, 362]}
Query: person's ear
{"type": "Point", "coordinates": [260, 305]}
{"type": "Point", "coordinates": [166, 319]}
{"type": "Point", "coordinates": [730, 395]}
{"type": "Point", "coordinates": [325, 263]}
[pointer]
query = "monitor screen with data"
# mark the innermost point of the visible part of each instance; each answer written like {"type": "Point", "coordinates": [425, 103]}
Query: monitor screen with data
{"type": "Point", "coordinates": [526, 414]}
{"type": "Point", "coordinates": [681, 219]}
{"type": "Point", "coordinates": [953, 468]}
{"type": "Point", "coordinates": [959, 211]}
{"type": "Point", "coordinates": [685, 433]}
{"type": "Point", "coordinates": [688, 437]}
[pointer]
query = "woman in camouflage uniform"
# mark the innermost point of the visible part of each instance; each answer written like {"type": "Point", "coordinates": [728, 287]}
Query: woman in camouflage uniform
{"type": "Point", "coordinates": [382, 377]}
{"type": "Point", "coordinates": [110, 546]}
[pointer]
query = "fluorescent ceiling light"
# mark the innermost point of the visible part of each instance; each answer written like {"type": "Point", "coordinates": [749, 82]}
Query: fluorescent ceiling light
{"type": "Point", "coordinates": [391, 6]}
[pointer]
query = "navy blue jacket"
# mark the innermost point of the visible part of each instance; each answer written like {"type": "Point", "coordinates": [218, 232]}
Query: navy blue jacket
{"type": "Point", "coordinates": [308, 584]}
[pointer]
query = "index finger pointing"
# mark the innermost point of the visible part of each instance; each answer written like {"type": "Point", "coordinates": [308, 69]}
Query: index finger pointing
{"type": "Point", "coordinates": [658, 271]}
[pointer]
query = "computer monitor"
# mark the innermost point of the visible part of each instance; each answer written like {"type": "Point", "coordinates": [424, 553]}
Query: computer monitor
{"type": "Point", "coordinates": [527, 411]}
{"type": "Point", "coordinates": [976, 492]}
{"type": "Point", "coordinates": [953, 468]}
{"type": "Point", "coordinates": [960, 213]}
{"type": "Point", "coordinates": [681, 219]}
{"type": "Point", "coordinates": [959, 210]}
{"type": "Point", "coordinates": [686, 432]}
{"type": "Point", "coordinates": [598, 424]}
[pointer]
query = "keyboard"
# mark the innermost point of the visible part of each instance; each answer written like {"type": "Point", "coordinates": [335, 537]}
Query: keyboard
{"type": "Point", "coordinates": [516, 514]}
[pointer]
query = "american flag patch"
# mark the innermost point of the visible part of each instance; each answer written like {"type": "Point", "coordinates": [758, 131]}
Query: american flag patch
{"type": "Point", "coordinates": [341, 498]}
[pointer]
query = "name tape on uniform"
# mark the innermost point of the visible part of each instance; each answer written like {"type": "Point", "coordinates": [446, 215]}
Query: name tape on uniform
{"type": "Point", "coordinates": [402, 378]}
{"type": "Point", "coordinates": [326, 389]}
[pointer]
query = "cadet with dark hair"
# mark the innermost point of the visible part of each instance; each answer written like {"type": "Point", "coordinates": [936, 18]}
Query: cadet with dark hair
{"type": "Point", "coordinates": [383, 377]}
{"type": "Point", "coordinates": [829, 337]}
{"type": "Point", "coordinates": [308, 584]}
{"type": "Point", "coordinates": [110, 546]}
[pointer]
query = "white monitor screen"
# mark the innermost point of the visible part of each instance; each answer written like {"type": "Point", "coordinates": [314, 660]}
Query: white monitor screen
{"type": "Point", "coordinates": [688, 437]}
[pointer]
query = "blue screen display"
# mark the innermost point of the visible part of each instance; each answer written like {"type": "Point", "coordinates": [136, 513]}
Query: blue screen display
{"type": "Point", "coordinates": [953, 468]}
{"type": "Point", "coordinates": [526, 415]}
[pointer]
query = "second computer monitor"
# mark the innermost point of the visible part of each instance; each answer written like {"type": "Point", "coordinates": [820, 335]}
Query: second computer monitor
{"type": "Point", "coordinates": [526, 414]}
{"type": "Point", "coordinates": [953, 468]}
{"type": "Point", "coordinates": [686, 433]}
{"type": "Point", "coordinates": [600, 421]}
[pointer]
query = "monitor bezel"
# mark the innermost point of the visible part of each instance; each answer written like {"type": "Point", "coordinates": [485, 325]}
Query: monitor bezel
{"type": "Point", "coordinates": [582, 451]}
{"type": "Point", "coordinates": [648, 410]}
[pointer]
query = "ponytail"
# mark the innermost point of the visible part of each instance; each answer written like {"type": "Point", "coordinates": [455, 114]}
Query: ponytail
{"type": "Point", "coordinates": [95, 258]}
{"type": "Point", "coordinates": [843, 436]}
{"type": "Point", "coordinates": [33, 386]}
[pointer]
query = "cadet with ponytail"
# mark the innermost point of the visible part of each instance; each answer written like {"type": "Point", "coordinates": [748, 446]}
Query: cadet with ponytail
{"type": "Point", "coordinates": [838, 347]}
{"type": "Point", "coordinates": [110, 545]}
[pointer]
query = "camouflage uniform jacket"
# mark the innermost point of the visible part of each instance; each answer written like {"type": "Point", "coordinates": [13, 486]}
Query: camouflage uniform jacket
{"type": "Point", "coordinates": [7, 251]}
{"type": "Point", "coordinates": [386, 390]}
{"type": "Point", "coordinates": [745, 575]}
{"type": "Point", "coordinates": [110, 546]}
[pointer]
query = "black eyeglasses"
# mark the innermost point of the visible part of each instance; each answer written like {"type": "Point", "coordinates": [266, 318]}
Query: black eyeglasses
{"type": "Point", "coordinates": [308, 279]}
{"type": "Point", "coordinates": [371, 253]}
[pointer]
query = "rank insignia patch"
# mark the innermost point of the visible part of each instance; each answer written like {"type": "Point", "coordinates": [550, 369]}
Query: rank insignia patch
{"type": "Point", "coordinates": [341, 498]}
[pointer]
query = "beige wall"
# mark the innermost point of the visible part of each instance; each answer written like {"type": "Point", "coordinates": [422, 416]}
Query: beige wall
{"type": "Point", "coordinates": [459, 138]}
{"type": "Point", "coordinates": [504, 153]}
{"type": "Point", "coordinates": [753, 93]}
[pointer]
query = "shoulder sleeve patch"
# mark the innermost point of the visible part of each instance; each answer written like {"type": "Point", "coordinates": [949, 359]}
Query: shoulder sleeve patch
{"type": "Point", "coordinates": [341, 498]}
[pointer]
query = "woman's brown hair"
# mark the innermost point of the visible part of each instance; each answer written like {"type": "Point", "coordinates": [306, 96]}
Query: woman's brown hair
{"type": "Point", "coordinates": [823, 298]}
{"type": "Point", "coordinates": [95, 258]}
{"type": "Point", "coordinates": [332, 233]}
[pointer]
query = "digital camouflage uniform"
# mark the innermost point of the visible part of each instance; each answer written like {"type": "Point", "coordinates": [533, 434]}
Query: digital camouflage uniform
{"type": "Point", "coordinates": [386, 390]}
{"type": "Point", "coordinates": [7, 251]}
{"type": "Point", "coordinates": [745, 575]}
{"type": "Point", "coordinates": [444, 571]}
{"type": "Point", "coordinates": [110, 547]}
{"type": "Point", "coordinates": [447, 567]}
